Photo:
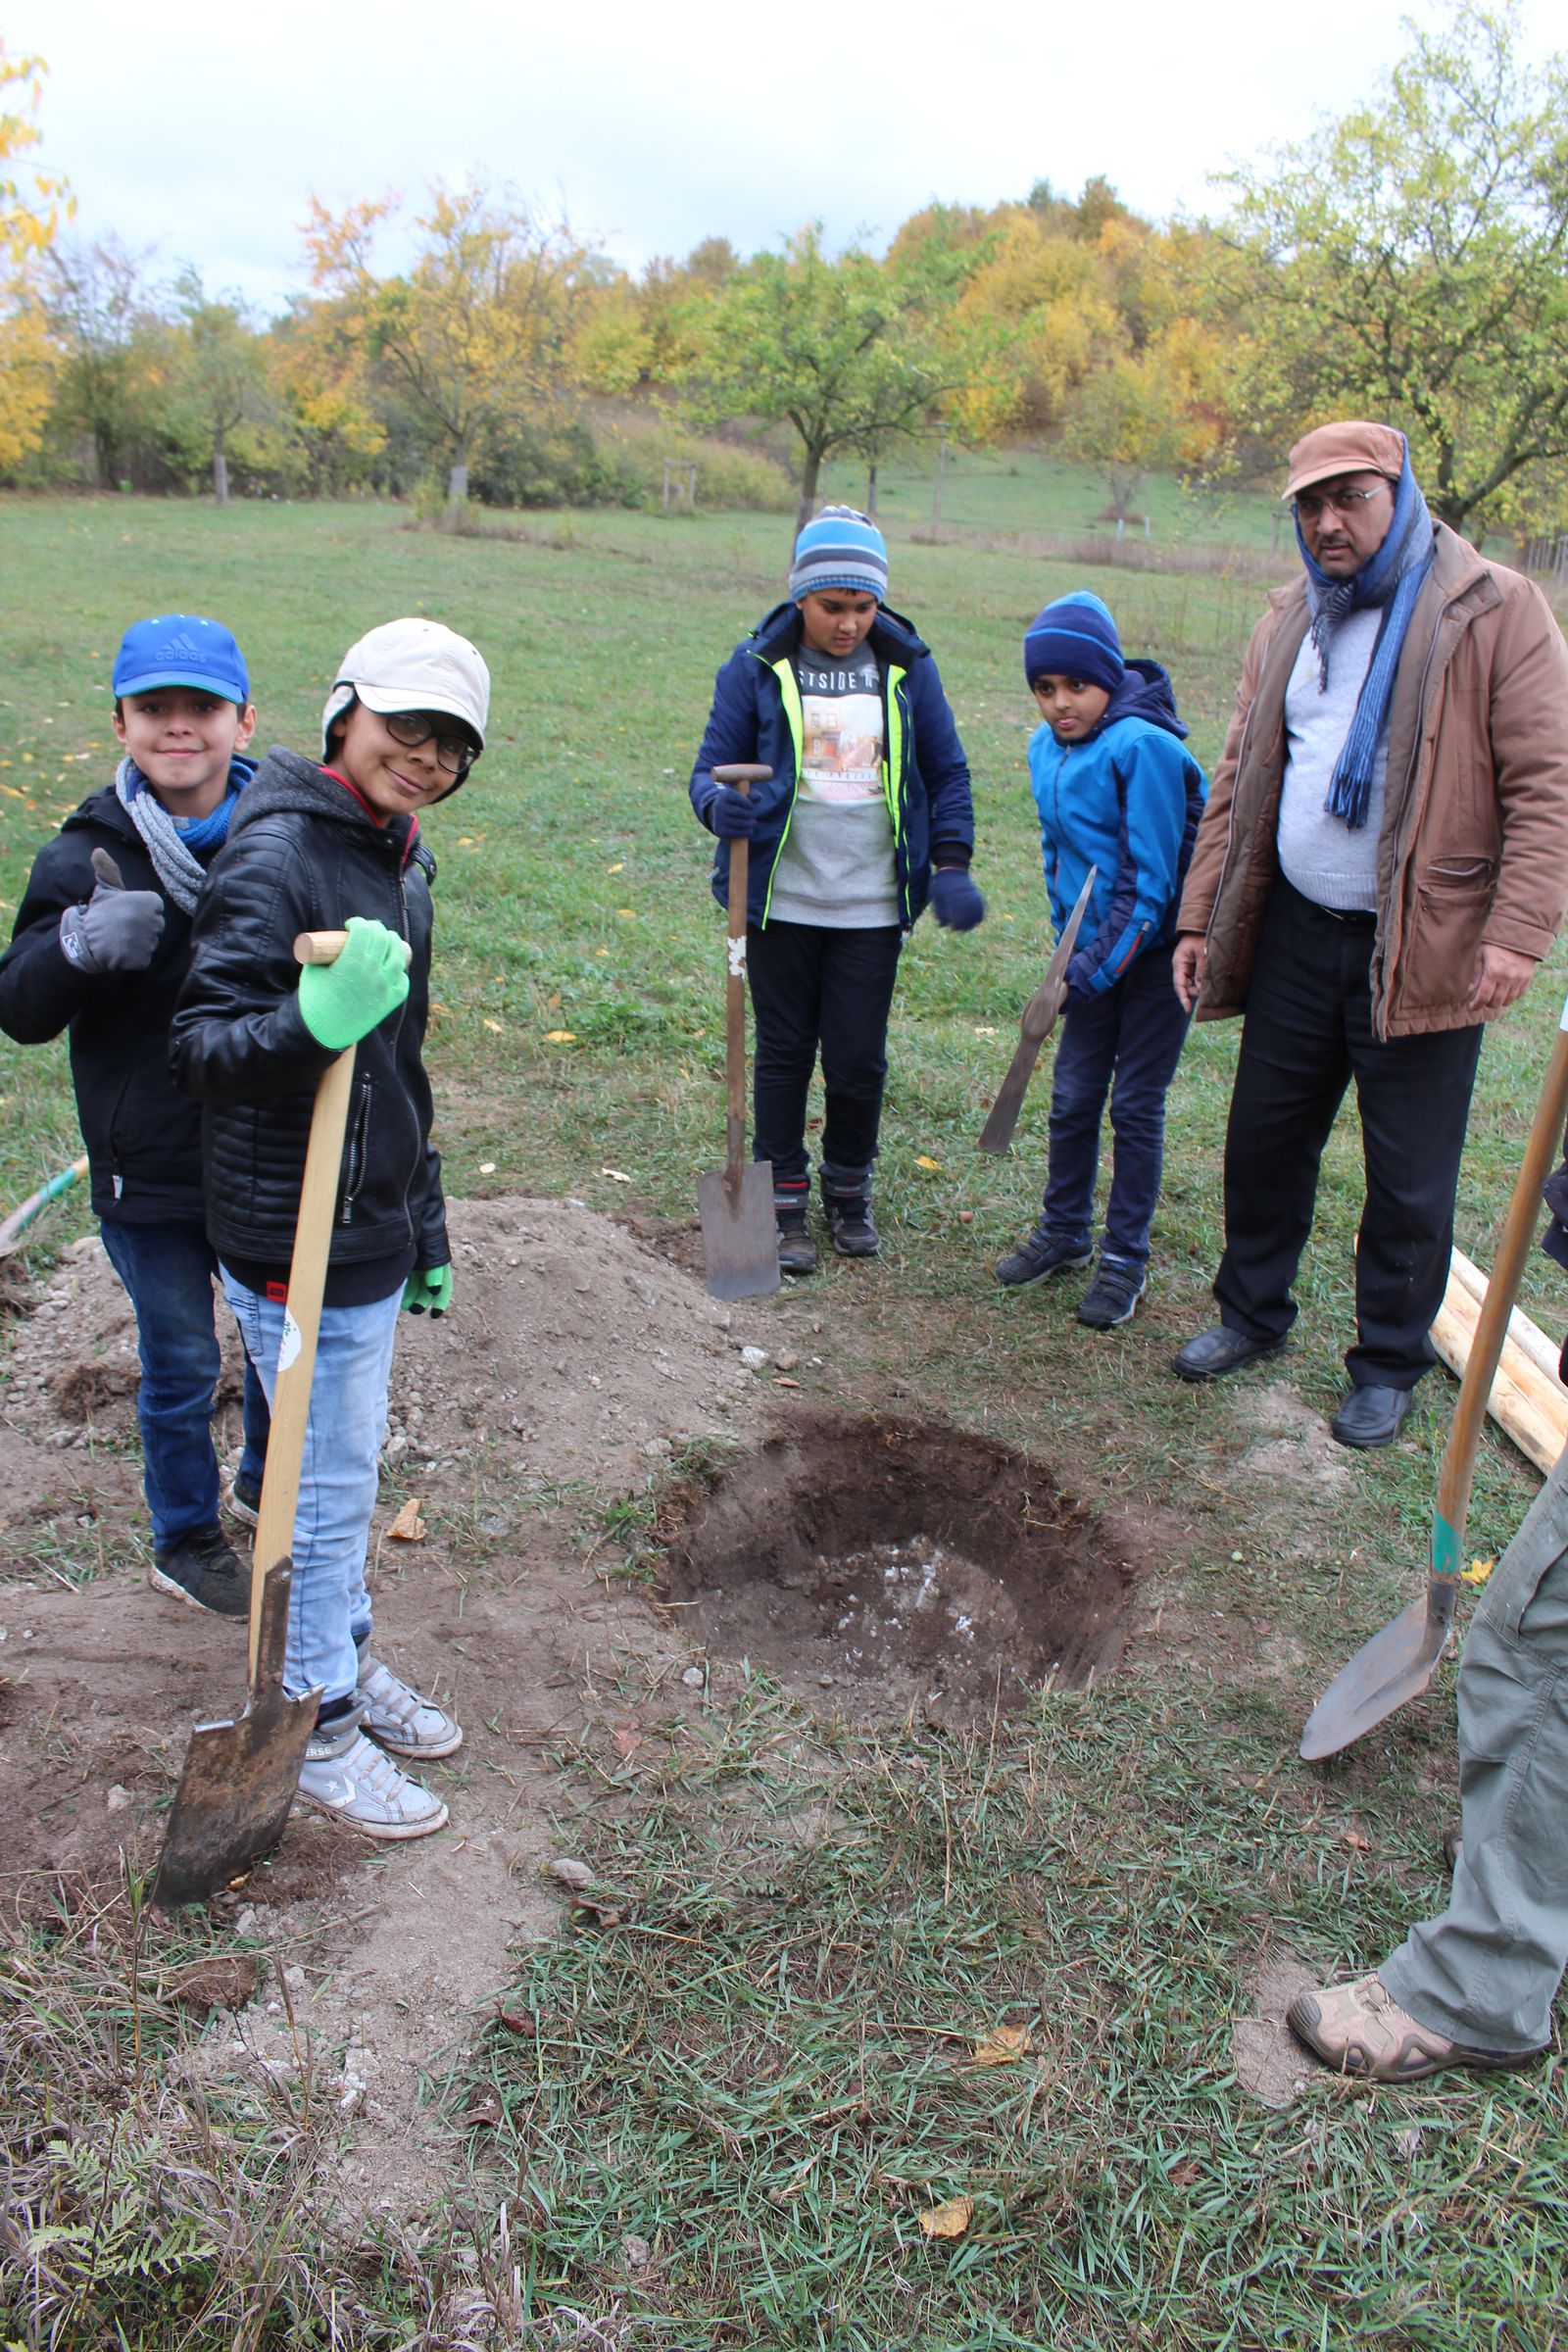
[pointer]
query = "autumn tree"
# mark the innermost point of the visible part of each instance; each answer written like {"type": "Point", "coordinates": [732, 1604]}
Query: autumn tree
{"type": "Point", "coordinates": [112, 386]}
{"type": "Point", "coordinates": [844, 350]}
{"type": "Point", "coordinates": [477, 328]}
{"type": "Point", "coordinates": [221, 372]}
{"type": "Point", "coordinates": [32, 205]}
{"type": "Point", "coordinates": [1410, 261]}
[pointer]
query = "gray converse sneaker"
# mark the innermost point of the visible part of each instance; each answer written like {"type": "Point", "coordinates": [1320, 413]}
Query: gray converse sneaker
{"type": "Point", "coordinates": [238, 1500]}
{"type": "Point", "coordinates": [347, 1776]}
{"type": "Point", "coordinates": [399, 1719]}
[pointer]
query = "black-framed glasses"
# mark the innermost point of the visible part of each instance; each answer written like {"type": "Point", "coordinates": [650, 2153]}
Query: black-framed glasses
{"type": "Point", "coordinates": [1312, 503]}
{"type": "Point", "coordinates": [410, 728]}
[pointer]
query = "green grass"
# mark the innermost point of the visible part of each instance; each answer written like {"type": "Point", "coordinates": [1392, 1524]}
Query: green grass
{"type": "Point", "coordinates": [1125, 1857]}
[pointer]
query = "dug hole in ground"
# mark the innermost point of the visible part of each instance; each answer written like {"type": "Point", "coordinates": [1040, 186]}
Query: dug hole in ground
{"type": "Point", "coordinates": [583, 1385]}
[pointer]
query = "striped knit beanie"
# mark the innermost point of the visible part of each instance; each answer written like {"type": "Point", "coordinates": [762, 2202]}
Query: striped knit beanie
{"type": "Point", "coordinates": [840, 547]}
{"type": "Point", "coordinates": [1076, 638]}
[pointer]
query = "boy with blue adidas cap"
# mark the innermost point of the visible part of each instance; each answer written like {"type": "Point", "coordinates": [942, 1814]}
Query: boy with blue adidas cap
{"type": "Point", "coordinates": [867, 817]}
{"type": "Point", "coordinates": [1116, 791]}
{"type": "Point", "coordinates": [101, 947]}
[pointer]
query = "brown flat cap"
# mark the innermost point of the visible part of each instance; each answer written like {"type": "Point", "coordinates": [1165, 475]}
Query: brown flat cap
{"type": "Point", "coordinates": [1352, 448]}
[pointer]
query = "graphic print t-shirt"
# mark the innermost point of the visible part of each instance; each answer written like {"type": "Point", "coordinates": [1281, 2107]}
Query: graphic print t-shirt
{"type": "Point", "coordinates": [836, 868]}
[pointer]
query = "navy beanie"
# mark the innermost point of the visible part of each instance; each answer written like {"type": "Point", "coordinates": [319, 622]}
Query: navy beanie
{"type": "Point", "coordinates": [1075, 637]}
{"type": "Point", "coordinates": [841, 548]}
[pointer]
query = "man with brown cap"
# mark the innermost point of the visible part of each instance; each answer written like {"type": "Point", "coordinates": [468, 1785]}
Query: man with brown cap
{"type": "Point", "coordinates": [1382, 863]}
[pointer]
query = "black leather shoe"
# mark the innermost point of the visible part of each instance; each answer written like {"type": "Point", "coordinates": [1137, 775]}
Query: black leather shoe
{"type": "Point", "coordinates": [1215, 1353]}
{"type": "Point", "coordinates": [1371, 1416]}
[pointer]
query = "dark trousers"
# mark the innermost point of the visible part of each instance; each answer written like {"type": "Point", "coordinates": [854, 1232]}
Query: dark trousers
{"type": "Point", "coordinates": [818, 990]}
{"type": "Point", "coordinates": [1128, 1041]}
{"type": "Point", "coordinates": [1307, 1032]}
{"type": "Point", "coordinates": [168, 1270]}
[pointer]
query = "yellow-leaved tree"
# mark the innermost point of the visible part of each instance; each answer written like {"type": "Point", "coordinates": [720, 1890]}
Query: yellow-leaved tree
{"type": "Point", "coordinates": [33, 203]}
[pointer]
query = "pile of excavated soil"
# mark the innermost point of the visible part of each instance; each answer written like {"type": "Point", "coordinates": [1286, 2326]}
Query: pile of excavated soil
{"type": "Point", "coordinates": [574, 1359]}
{"type": "Point", "coordinates": [573, 1351]}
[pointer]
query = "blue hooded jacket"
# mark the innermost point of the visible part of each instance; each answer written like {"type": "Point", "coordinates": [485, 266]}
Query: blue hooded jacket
{"type": "Point", "coordinates": [1126, 800]}
{"type": "Point", "coordinates": [756, 717]}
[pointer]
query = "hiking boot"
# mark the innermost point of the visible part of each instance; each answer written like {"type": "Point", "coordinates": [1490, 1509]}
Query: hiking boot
{"type": "Point", "coordinates": [1361, 2029]}
{"type": "Point", "coordinates": [1039, 1256]}
{"type": "Point", "coordinates": [204, 1572]}
{"type": "Point", "coordinates": [797, 1251]}
{"type": "Point", "coordinates": [349, 1778]}
{"type": "Point", "coordinates": [240, 1499]}
{"type": "Point", "coordinates": [1113, 1293]}
{"type": "Point", "coordinates": [849, 1224]}
{"type": "Point", "coordinates": [399, 1718]}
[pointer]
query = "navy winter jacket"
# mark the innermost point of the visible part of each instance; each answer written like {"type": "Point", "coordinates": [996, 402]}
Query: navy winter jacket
{"type": "Point", "coordinates": [757, 716]}
{"type": "Point", "coordinates": [1126, 800]}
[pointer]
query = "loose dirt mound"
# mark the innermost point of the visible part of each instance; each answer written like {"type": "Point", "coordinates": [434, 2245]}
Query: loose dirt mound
{"type": "Point", "coordinates": [572, 1350]}
{"type": "Point", "coordinates": [897, 1563]}
{"type": "Point", "coordinates": [573, 1361]}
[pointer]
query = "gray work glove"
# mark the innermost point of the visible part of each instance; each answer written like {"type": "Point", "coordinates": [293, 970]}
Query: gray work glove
{"type": "Point", "coordinates": [118, 930]}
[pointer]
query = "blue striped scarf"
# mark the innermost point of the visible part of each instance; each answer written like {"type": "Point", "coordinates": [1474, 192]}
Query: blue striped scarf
{"type": "Point", "coordinates": [174, 849]}
{"type": "Point", "coordinates": [1393, 578]}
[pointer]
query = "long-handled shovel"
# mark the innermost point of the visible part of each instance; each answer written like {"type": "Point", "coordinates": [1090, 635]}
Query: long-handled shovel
{"type": "Point", "coordinates": [740, 1238]}
{"type": "Point", "coordinates": [240, 1778]}
{"type": "Point", "coordinates": [17, 1224]}
{"type": "Point", "coordinates": [1398, 1663]}
{"type": "Point", "coordinates": [1037, 1022]}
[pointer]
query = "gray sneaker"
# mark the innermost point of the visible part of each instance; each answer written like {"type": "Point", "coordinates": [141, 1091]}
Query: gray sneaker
{"type": "Point", "coordinates": [238, 1500]}
{"type": "Point", "coordinates": [204, 1572]}
{"type": "Point", "coordinates": [399, 1718]}
{"type": "Point", "coordinates": [1039, 1255]}
{"type": "Point", "coordinates": [347, 1776]}
{"type": "Point", "coordinates": [1112, 1296]}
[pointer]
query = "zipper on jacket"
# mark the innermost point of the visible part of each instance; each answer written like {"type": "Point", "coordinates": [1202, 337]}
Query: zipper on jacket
{"type": "Point", "coordinates": [406, 931]}
{"type": "Point", "coordinates": [795, 721]}
{"type": "Point", "coordinates": [893, 777]}
{"type": "Point", "coordinates": [359, 1154]}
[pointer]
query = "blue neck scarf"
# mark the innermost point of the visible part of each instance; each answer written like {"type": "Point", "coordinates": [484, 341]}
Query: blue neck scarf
{"type": "Point", "coordinates": [180, 854]}
{"type": "Point", "coordinates": [1391, 578]}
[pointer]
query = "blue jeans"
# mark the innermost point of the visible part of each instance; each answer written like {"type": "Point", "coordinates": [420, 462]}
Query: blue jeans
{"type": "Point", "coordinates": [168, 1272]}
{"type": "Point", "coordinates": [1128, 1039]}
{"type": "Point", "coordinates": [330, 1609]}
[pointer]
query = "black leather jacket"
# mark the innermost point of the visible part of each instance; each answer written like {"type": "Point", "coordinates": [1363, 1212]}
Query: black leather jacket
{"type": "Point", "coordinates": [303, 854]}
{"type": "Point", "coordinates": [143, 1136]}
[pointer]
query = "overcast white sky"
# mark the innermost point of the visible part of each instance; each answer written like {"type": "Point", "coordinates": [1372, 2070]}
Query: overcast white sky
{"type": "Point", "coordinates": [199, 129]}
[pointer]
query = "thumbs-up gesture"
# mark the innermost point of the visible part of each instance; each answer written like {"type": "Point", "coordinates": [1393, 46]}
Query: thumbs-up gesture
{"type": "Point", "coordinates": [118, 930]}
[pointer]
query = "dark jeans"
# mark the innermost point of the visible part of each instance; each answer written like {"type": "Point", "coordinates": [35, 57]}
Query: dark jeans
{"type": "Point", "coordinates": [168, 1270]}
{"type": "Point", "coordinates": [815, 987]}
{"type": "Point", "coordinates": [1128, 1039]}
{"type": "Point", "coordinates": [1307, 1032]}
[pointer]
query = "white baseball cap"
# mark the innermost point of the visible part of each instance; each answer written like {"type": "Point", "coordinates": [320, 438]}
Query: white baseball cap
{"type": "Point", "coordinates": [411, 665]}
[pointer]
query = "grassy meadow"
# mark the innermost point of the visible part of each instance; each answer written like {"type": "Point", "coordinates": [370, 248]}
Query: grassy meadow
{"type": "Point", "coordinates": [758, 2088]}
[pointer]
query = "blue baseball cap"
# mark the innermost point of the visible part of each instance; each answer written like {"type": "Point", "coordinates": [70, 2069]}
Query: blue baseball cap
{"type": "Point", "coordinates": [180, 649]}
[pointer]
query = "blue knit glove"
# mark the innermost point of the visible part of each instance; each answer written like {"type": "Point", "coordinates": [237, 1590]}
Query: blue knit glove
{"type": "Point", "coordinates": [732, 815]}
{"type": "Point", "coordinates": [428, 1286]}
{"type": "Point", "coordinates": [955, 901]}
{"type": "Point", "coordinates": [340, 1002]}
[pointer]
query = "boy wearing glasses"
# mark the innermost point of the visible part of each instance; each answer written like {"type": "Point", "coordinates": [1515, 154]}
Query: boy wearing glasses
{"type": "Point", "coordinates": [331, 846]}
{"type": "Point", "coordinates": [1382, 863]}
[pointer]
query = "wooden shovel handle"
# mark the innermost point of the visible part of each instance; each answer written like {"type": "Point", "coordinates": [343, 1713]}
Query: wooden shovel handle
{"type": "Point", "coordinates": [302, 1315]}
{"type": "Point", "coordinates": [740, 775]}
{"type": "Point", "coordinates": [1518, 1231]}
{"type": "Point", "coordinates": [326, 947]}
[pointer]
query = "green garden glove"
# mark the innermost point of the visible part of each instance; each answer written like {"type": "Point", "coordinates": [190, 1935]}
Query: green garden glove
{"type": "Point", "coordinates": [340, 1002]}
{"type": "Point", "coordinates": [429, 1287]}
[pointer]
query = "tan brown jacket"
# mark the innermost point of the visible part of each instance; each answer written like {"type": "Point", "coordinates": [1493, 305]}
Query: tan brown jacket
{"type": "Point", "coordinates": [1474, 845]}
